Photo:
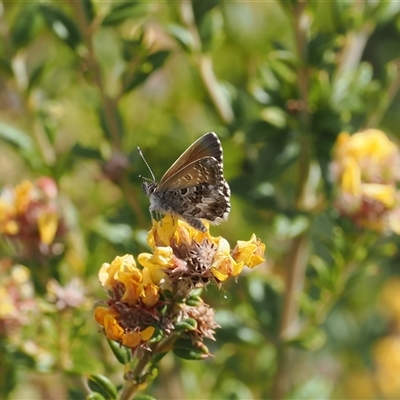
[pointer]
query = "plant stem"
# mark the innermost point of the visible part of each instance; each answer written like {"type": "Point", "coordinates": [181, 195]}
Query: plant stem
{"type": "Point", "coordinates": [297, 257]}
{"type": "Point", "coordinates": [131, 386]}
{"type": "Point", "coordinates": [109, 105]}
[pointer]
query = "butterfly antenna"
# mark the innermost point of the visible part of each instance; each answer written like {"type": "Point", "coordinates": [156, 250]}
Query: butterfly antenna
{"type": "Point", "coordinates": [147, 165]}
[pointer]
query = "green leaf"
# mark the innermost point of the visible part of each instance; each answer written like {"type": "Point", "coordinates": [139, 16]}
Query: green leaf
{"type": "Point", "coordinates": [120, 12]}
{"type": "Point", "coordinates": [5, 65]}
{"type": "Point", "coordinates": [193, 301]}
{"type": "Point", "coordinates": [142, 396]}
{"type": "Point", "coordinates": [131, 48]}
{"type": "Point", "coordinates": [188, 324]}
{"type": "Point", "coordinates": [211, 30]}
{"type": "Point", "coordinates": [157, 336]}
{"type": "Point", "coordinates": [21, 141]}
{"type": "Point", "coordinates": [24, 25]}
{"type": "Point", "coordinates": [153, 61]}
{"type": "Point", "coordinates": [62, 26]}
{"type": "Point", "coordinates": [88, 9]}
{"type": "Point", "coordinates": [94, 396]}
{"type": "Point", "coordinates": [101, 384]}
{"type": "Point", "coordinates": [157, 59]}
{"type": "Point", "coordinates": [121, 353]}
{"type": "Point", "coordinates": [35, 76]}
{"type": "Point", "coordinates": [182, 36]}
{"type": "Point", "coordinates": [105, 123]}
{"type": "Point", "coordinates": [114, 233]}
{"type": "Point", "coordinates": [184, 348]}
{"type": "Point", "coordinates": [86, 152]}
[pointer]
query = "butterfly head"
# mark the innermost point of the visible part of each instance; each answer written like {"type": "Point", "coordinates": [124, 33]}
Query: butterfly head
{"type": "Point", "coordinates": [148, 186]}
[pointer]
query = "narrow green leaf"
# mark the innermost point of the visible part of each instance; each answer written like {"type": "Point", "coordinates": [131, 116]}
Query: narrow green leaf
{"type": "Point", "coordinates": [5, 65]}
{"type": "Point", "coordinates": [193, 301]}
{"type": "Point", "coordinates": [142, 396]}
{"type": "Point", "coordinates": [105, 123]}
{"type": "Point", "coordinates": [23, 27]}
{"type": "Point", "coordinates": [188, 324]}
{"type": "Point", "coordinates": [182, 36]}
{"type": "Point", "coordinates": [114, 233]}
{"type": "Point", "coordinates": [94, 396]}
{"type": "Point", "coordinates": [121, 353]}
{"type": "Point", "coordinates": [153, 62]}
{"type": "Point", "coordinates": [101, 384]}
{"type": "Point", "coordinates": [120, 12]}
{"type": "Point", "coordinates": [35, 76]}
{"type": "Point", "coordinates": [22, 142]}
{"type": "Point", "coordinates": [88, 9]}
{"type": "Point", "coordinates": [184, 348]}
{"type": "Point", "coordinates": [62, 26]}
{"type": "Point", "coordinates": [157, 59]}
{"type": "Point", "coordinates": [16, 137]}
{"type": "Point", "coordinates": [131, 49]}
{"type": "Point", "coordinates": [86, 152]}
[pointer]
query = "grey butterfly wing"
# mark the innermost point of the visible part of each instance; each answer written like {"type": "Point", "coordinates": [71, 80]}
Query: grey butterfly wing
{"type": "Point", "coordinates": [206, 170]}
{"type": "Point", "coordinates": [199, 191]}
{"type": "Point", "coordinates": [206, 146]}
{"type": "Point", "coordinates": [194, 187]}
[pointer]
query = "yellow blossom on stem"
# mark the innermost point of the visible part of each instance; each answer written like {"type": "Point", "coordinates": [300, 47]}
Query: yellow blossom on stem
{"type": "Point", "coordinates": [150, 294]}
{"type": "Point", "coordinates": [224, 265]}
{"type": "Point", "coordinates": [161, 233]}
{"type": "Point", "coordinates": [250, 252]}
{"type": "Point", "coordinates": [48, 224]}
{"type": "Point", "coordinates": [153, 298]}
{"type": "Point", "coordinates": [23, 196]}
{"type": "Point", "coordinates": [107, 273]}
{"type": "Point", "coordinates": [107, 318]}
{"type": "Point", "coordinates": [133, 339]}
{"type": "Point", "coordinates": [162, 257]}
{"type": "Point", "coordinates": [366, 170]}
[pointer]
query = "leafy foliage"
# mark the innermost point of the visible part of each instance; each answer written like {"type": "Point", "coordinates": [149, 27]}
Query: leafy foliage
{"type": "Point", "coordinates": [84, 83]}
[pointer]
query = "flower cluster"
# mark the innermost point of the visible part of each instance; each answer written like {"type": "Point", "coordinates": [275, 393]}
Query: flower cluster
{"type": "Point", "coordinates": [17, 301]}
{"type": "Point", "coordinates": [159, 300]}
{"type": "Point", "coordinates": [366, 170]}
{"type": "Point", "coordinates": [30, 216]}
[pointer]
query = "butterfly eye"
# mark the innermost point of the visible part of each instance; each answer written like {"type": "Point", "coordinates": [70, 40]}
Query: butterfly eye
{"type": "Point", "coordinates": [148, 187]}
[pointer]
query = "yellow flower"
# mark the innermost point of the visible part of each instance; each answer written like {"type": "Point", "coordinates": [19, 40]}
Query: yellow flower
{"type": "Point", "coordinates": [390, 299]}
{"type": "Point", "coordinates": [250, 252]}
{"type": "Point", "coordinates": [224, 265]}
{"type": "Point", "coordinates": [387, 359]}
{"type": "Point", "coordinates": [385, 194]}
{"type": "Point", "coordinates": [161, 258]}
{"type": "Point", "coordinates": [170, 229]}
{"type": "Point", "coordinates": [47, 224]}
{"type": "Point", "coordinates": [23, 195]}
{"type": "Point", "coordinates": [137, 283]}
{"type": "Point", "coordinates": [133, 285]}
{"type": "Point", "coordinates": [369, 143]}
{"type": "Point", "coordinates": [351, 177]}
{"type": "Point", "coordinates": [366, 168]}
{"type": "Point", "coordinates": [107, 273]}
{"type": "Point", "coordinates": [162, 232]}
{"type": "Point", "coordinates": [7, 306]}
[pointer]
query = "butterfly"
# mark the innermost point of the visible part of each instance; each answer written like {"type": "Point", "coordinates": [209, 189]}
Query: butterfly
{"type": "Point", "coordinates": [194, 187]}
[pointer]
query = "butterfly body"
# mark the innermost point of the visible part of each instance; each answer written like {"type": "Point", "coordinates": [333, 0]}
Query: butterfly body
{"type": "Point", "coordinates": [194, 187]}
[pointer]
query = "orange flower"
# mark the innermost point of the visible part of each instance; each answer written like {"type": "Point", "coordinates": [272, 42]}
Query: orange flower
{"type": "Point", "coordinates": [133, 339]}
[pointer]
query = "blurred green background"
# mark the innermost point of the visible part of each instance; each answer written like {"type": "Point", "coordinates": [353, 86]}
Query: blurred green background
{"type": "Point", "coordinates": [83, 83]}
